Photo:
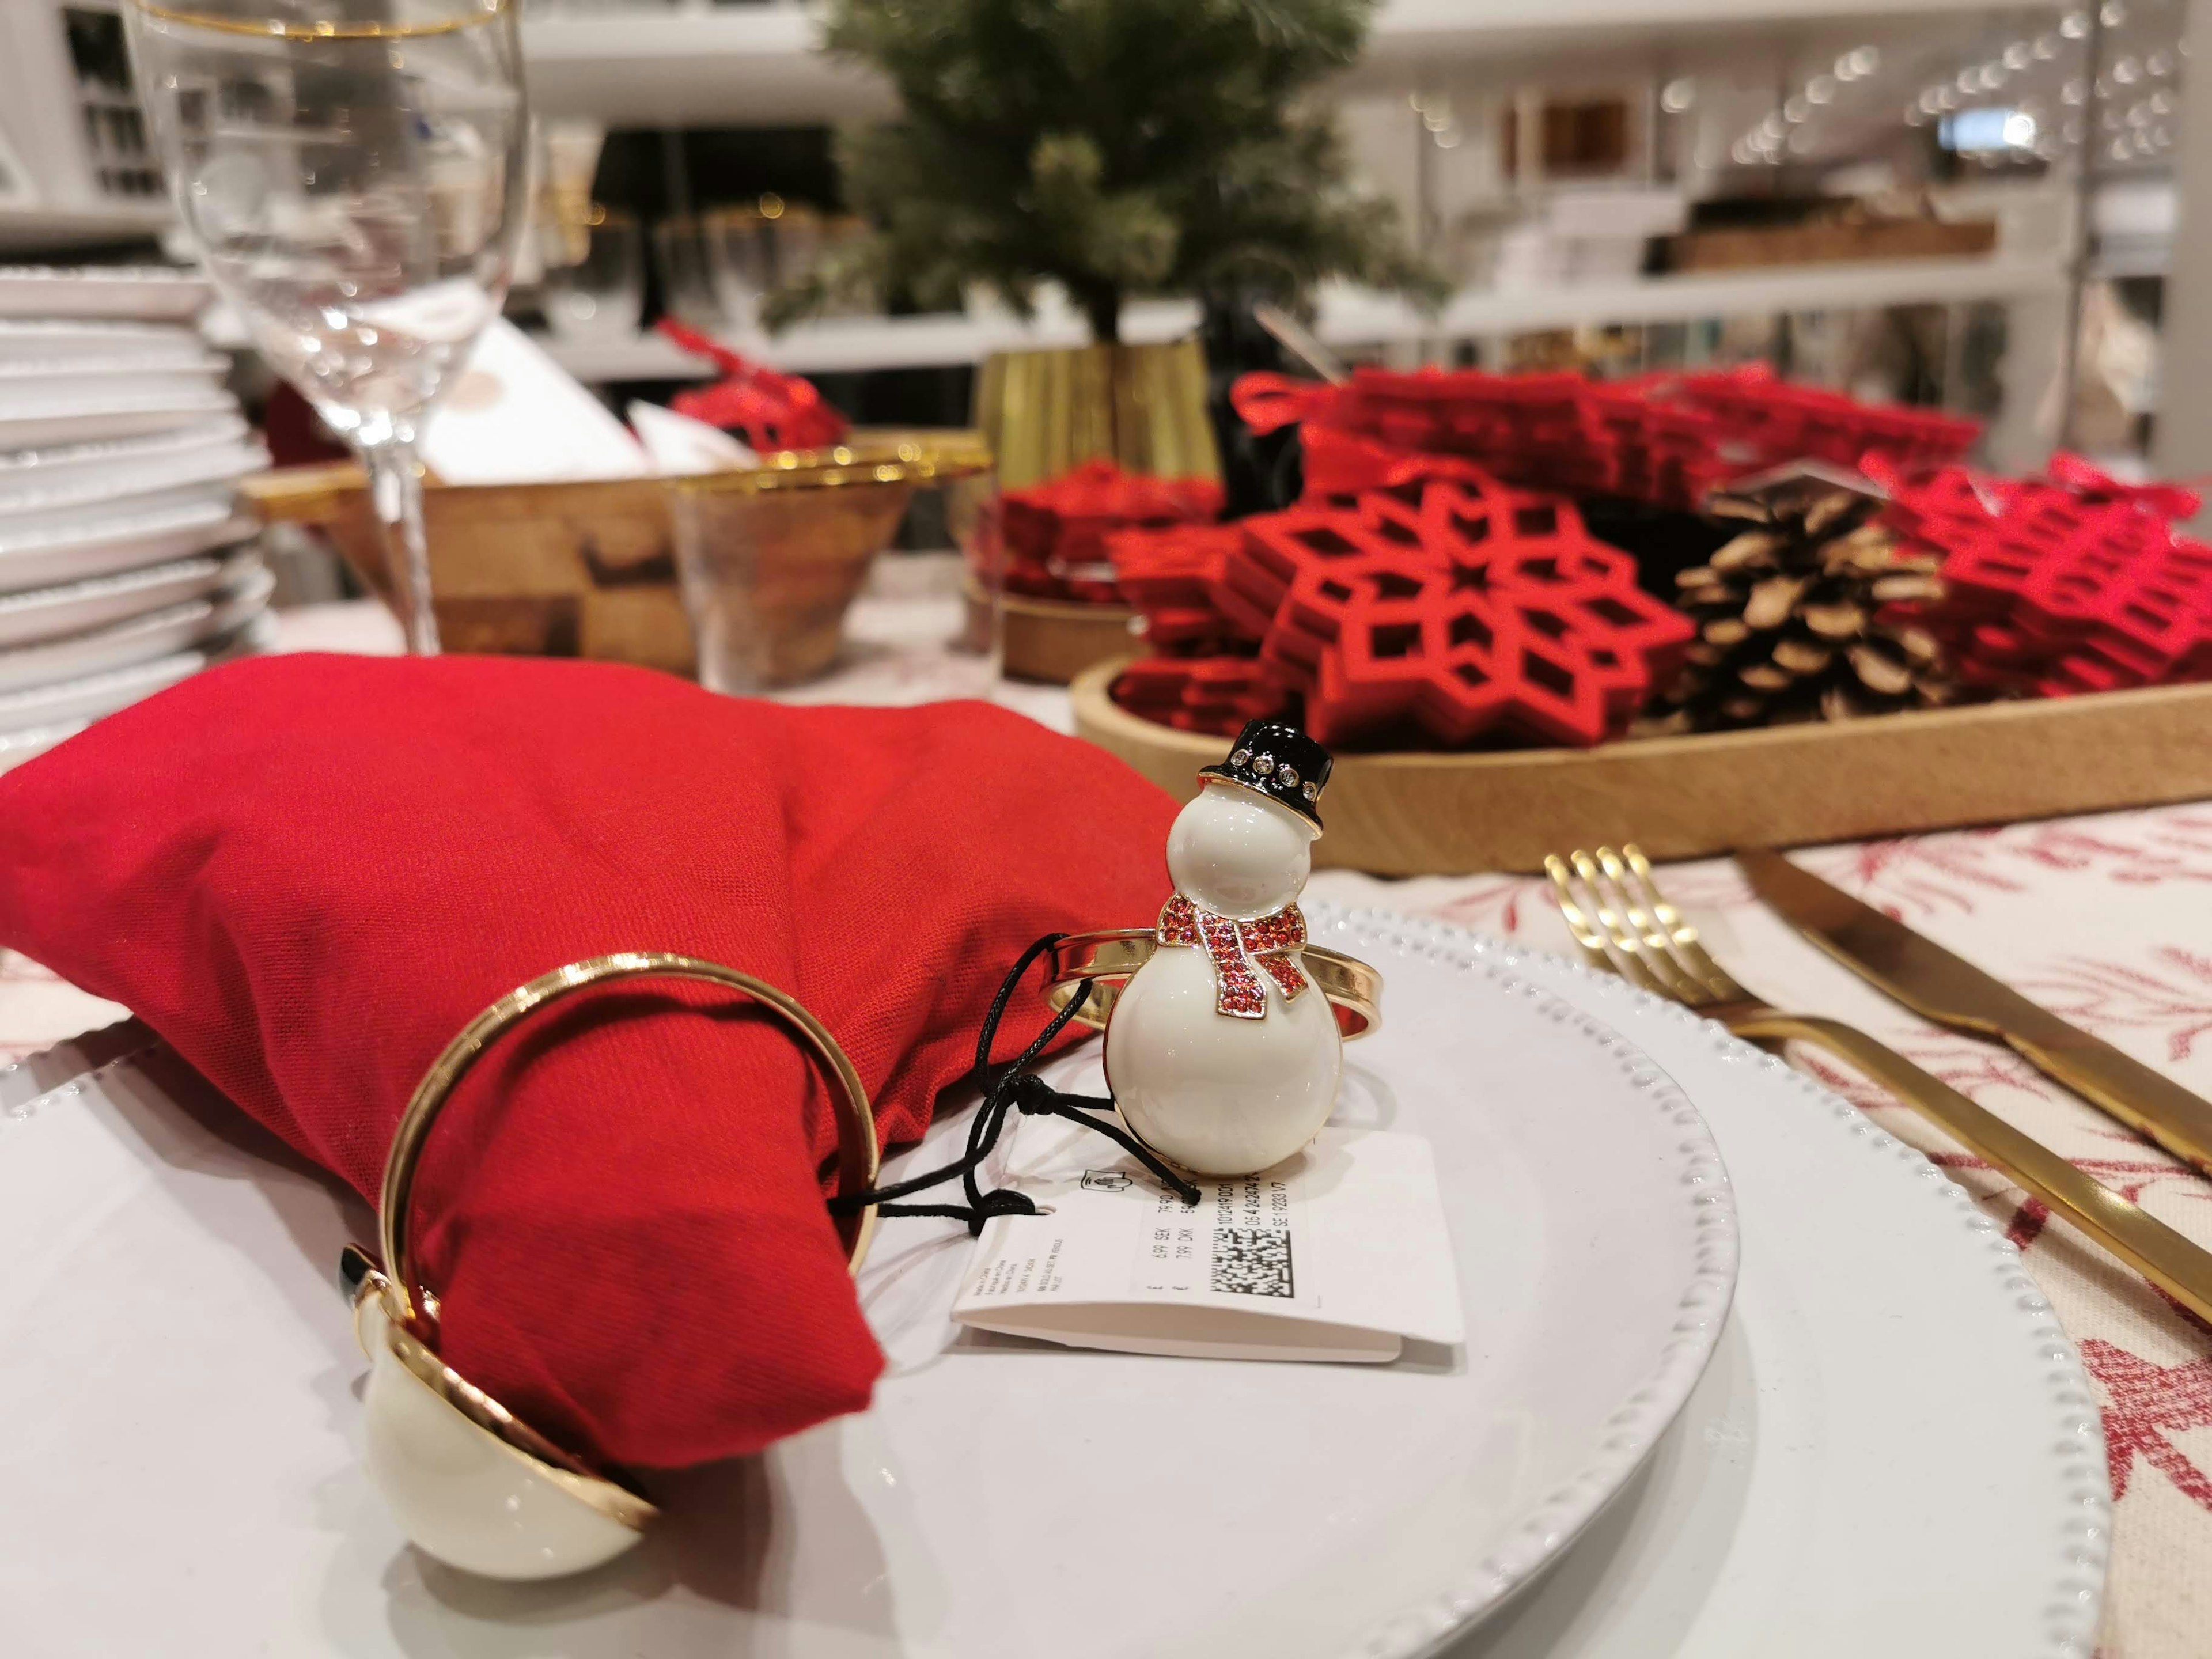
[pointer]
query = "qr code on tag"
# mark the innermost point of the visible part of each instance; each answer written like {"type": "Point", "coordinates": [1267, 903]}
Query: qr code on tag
{"type": "Point", "coordinates": [1252, 1260]}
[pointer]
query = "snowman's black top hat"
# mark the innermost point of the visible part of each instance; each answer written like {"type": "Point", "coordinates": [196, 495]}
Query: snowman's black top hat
{"type": "Point", "coordinates": [1277, 760]}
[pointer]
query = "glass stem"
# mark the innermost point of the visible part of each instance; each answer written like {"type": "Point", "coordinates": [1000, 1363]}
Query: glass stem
{"type": "Point", "coordinates": [395, 485]}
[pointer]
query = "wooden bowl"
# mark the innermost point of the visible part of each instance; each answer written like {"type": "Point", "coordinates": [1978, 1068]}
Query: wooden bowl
{"type": "Point", "coordinates": [1436, 814]}
{"type": "Point", "coordinates": [1056, 640]}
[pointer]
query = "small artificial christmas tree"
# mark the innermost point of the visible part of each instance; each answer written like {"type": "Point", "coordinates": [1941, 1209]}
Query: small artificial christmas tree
{"type": "Point", "coordinates": [1113, 146]}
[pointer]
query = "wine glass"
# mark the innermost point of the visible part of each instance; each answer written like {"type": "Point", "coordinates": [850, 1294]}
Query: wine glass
{"type": "Point", "coordinates": [352, 174]}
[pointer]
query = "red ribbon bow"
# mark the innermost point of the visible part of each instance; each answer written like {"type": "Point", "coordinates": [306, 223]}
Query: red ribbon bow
{"type": "Point", "coordinates": [1238, 948]}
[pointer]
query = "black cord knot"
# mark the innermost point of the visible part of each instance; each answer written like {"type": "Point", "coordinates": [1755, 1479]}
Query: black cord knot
{"type": "Point", "coordinates": [1017, 1088]}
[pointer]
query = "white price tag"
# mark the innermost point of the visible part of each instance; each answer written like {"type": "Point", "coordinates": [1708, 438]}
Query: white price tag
{"type": "Point", "coordinates": [1339, 1253]}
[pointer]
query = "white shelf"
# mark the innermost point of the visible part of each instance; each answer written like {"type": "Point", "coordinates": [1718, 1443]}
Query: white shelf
{"type": "Point", "coordinates": [757, 65]}
{"type": "Point", "coordinates": [753, 65]}
{"type": "Point", "coordinates": [59, 228]}
{"type": "Point", "coordinates": [1354, 318]}
{"type": "Point", "coordinates": [1350, 317]}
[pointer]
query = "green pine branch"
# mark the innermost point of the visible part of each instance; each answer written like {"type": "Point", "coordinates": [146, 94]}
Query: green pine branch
{"type": "Point", "coordinates": [1115, 147]}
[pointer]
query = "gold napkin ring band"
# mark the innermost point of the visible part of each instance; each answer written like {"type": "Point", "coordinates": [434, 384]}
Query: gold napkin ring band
{"type": "Point", "coordinates": [410, 1313]}
{"type": "Point", "coordinates": [1105, 961]}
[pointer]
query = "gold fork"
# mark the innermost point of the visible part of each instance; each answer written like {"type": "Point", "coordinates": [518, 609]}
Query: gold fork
{"type": "Point", "coordinates": [1638, 935]}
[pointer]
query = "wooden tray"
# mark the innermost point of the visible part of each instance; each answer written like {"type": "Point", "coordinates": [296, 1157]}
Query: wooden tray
{"type": "Point", "coordinates": [1421, 814]}
{"type": "Point", "coordinates": [545, 569]}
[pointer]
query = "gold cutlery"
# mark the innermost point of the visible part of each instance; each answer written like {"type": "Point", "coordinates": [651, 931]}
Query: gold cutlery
{"type": "Point", "coordinates": [1638, 935]}
{"type": "Point", "coordinates": [1940, 987]}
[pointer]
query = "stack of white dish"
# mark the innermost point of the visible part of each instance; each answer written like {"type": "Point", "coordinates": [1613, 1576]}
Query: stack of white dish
{"type": "Point", "coordinates": [125, 561]}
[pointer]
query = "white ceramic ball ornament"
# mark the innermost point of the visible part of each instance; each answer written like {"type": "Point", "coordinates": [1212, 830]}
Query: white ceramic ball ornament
{"type": "Point", "coordinates": [463, 1497]}
{"type": "Point", "coordinates": [1218, 1092]}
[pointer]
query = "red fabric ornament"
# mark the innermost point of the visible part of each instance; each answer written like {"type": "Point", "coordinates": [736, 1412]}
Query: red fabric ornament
{"type": "Point", "coordinates": [1169, 575]}
{"type": "Point", "coordinates": [307, 873]}
{"type": "Point", "coordinates": [772, 410]}
{"type": "Point", "coordinates": [1666, 440]}
{"type": "Point", "coordinates": [1056, 532]}
{"type": "Point", "coordinates": [1216, 695]}
{"type": "Point", "coordinates": [2068, 583]}
{"type": "Point", "coordinates": [1441, 603]}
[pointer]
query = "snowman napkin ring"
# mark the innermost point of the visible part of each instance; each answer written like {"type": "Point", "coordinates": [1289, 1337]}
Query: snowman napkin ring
{"type": "Point", "coordinates": [468, 1481]}
{"type": "Point", "coordinates": [1106, 959]}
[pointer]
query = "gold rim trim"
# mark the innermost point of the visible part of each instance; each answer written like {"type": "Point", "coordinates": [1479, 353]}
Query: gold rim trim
{"type": "Point", "coordinates": [278, 28]}
{"type": "Point", "coordinates": [1105, 960]}
{"type": "Point", "coordinates": [856, 468]}
{"type": "Point", "coordinates": [857, 1154]}
{"type": "Point", "coordinates": [410, 1312]}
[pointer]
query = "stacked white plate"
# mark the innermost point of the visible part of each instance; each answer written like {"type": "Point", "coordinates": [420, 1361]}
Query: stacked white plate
{"type": "Point", "coordinates": [125, 562]}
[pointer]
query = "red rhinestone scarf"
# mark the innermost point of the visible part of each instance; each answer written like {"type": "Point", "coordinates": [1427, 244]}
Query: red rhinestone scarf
{"type": "Point", "coordinates": [1238, 948]}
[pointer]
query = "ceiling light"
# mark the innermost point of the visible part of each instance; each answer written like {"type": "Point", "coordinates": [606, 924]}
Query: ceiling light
{"type": "Point", "coordinates": [2113, 13]}
{"type": "Point", "coordinates": [2046, 47]}
{"type": "Point", "coordinates": [2019, 129]}
{"type": "Point", "coordinates": [1931, 101]}
{"type": "Point", "coordinates": [2127, 72]}
{"type": "Point", "coordinates": [2016, 56]}
{"type": "Point", "coordinates": [2075, 25]}
{"type": "Point", "coordinates": [1678, 95]}
{"type": "Point", "coordinates": [2160, 63]}
{"type": "Point", "coordinates": [1865, 59]}
{"type": "Point", "coordinates": [2161, 103]}
{"type": "Point", "coordinates": [1821, 89]}
{"type": "Point", "coordinates": [1796, 109]}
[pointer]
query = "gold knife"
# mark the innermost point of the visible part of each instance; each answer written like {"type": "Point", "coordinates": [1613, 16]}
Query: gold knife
{"type": "Point", "coordinates": [1940, 987]}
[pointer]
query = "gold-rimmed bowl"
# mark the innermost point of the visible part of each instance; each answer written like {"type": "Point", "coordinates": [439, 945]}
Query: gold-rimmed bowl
{"type": "Point", "coordinates": [769, 561]}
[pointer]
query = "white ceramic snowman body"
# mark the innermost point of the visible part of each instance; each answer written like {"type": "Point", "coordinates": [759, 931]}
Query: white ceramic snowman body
{"type": "Point", "coordinates": [1217, 1094]}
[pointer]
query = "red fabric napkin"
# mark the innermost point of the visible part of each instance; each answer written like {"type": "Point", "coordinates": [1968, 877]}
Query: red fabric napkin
{"type": "Point", "coordinates": [309, 873]}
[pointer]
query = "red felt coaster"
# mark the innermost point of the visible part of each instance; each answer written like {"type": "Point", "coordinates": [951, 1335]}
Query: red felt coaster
{"type": "Point", "coordinates": [1056, 532]}
{"type": "Point", "coordinates": [2058, 584]}
{"type": "Point", "coordinates": [1441, 602]}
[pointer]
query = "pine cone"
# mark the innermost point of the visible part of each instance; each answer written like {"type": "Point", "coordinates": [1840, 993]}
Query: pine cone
{"type": "Point", "coordinates": [1796, 620]}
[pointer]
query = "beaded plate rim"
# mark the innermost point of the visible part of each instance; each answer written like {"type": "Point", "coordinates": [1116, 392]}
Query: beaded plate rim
{"type": "Point", "coordinates": [2070, 1618]}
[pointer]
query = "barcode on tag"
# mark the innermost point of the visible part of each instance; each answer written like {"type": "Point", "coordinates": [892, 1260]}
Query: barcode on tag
{"type": "Point", "coordinates": [1252, 1261]}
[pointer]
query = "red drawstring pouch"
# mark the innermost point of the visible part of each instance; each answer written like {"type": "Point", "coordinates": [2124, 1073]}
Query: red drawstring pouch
{"type": "Point", "coordinates": [309, 873]}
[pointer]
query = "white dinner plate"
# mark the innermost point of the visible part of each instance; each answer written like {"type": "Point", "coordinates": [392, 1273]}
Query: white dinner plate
{"type": "Point", "coordinates": [218, 496]}
{"type": "Point", "coordinates": [98, 413]}
{"type": "Point", "coordinates": [52, 613]}
{"type": "Point", "coordinates": [68, 467]}
{"type": "Point", "coordinates": [143, 293]}
{"type": "Point", "coordinates": [45, 339]}
{"type": "Point", "coordinates": [122, 541]}
{"type": "Point", "coordinates": [180, 627]}
{"type": "Point", "coordinates": [25, 377]}
{"type": "Point", "coordinates": [69, 702]}
{"type": "Point", "coordinates": [155, 482]}
{"type": "Point", "coordinates": [1001, 1497]}
{"type": "Point", "coordinates": [1895, 1452]}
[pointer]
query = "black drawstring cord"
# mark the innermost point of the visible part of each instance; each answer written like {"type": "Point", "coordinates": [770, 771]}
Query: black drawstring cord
{"type": "Point", "coordinates": [1016, 1088]}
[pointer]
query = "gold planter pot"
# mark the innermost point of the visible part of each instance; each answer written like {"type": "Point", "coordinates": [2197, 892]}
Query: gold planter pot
{"type": "Point", "coordinates": [1142, 406]}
